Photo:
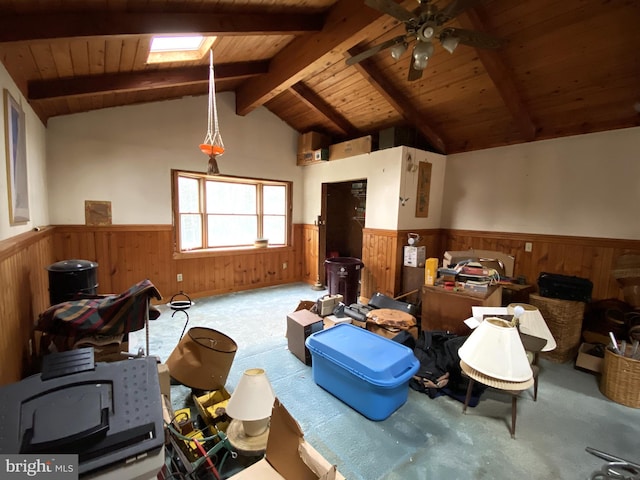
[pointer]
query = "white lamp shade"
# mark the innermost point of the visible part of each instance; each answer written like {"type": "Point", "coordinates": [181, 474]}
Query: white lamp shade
{"type": "Point", "coordinates": [495, 350]}
{"type": "Point", "coordinates": [253, 397]}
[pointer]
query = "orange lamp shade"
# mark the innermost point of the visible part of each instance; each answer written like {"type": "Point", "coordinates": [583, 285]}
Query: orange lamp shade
{"type": "Point", "coordinates": [209, 149]}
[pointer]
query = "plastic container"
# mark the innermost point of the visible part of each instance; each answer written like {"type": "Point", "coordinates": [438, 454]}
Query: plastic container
{"type": "Point", "coordinates": [70, 277]}
{"type": "Point", "coordinates": [343, 277]}
{"type": "Point", "coordinates": [368, 372]}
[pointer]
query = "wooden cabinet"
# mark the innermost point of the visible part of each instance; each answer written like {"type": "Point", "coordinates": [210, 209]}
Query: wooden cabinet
{"type": "Point", "coordinates": [447, 310]}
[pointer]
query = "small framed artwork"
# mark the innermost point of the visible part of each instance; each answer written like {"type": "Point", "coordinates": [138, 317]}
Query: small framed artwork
{"type": "Point", "coordinates": [424, 187]}
{"type": "Point", "coordinates": [97, 212]}
{"type": "Point", "coordinates": [16, 150]}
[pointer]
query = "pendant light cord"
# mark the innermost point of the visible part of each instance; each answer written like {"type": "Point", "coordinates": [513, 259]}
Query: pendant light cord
{"type": "Point", "coordinates": [213, 130]}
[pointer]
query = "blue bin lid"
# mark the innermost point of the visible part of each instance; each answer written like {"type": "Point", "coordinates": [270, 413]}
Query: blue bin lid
{"type": "Point", "coordinates": [378, 360]}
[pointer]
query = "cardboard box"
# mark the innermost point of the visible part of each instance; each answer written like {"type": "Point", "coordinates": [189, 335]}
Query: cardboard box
{"type": "Point", "coordinates": [587, 360]}
{"type": "Point", "coordinates": [301, 324]}
{"type": "Point", "coordinates": [165, 380]}
{"type": "Point", "coordinates": [430, 271]}
{"type": "Point", "coordinates": [289, 456]}
{"type": "Point", "coordinates": [414, 256]}
{"type": "Point", "coordinates": [332, 321]}
{"type": "Point", "coordinates": [310, 141]}
{"type": "Point", "coordinates": [350, 148]}
{"type": "Point", "coordinates": [305, 158]}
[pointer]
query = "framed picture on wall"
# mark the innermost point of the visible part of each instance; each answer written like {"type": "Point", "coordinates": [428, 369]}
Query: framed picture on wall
{"type": "Point", "coordinates": [424, 187]}
{"type": "Point", "coordinates": [16, 150]}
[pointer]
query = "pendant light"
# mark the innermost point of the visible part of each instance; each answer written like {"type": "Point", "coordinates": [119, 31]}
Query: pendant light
{"type": "Point", "coordinates": [212, 145]}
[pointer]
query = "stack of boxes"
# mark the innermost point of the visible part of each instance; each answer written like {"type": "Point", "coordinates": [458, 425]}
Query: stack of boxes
{"type": "Point", "coordinates": [312, 147]}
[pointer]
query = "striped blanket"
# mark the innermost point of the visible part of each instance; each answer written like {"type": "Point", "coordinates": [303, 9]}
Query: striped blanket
{"type": "Point", "coordinates": [108, 315]}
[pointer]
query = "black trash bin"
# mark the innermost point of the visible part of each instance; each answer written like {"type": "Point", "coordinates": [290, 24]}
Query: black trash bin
{"type": "Point", "coordinates": [70, 277]}
{"type": "Point", "coordinates": [343, 277]}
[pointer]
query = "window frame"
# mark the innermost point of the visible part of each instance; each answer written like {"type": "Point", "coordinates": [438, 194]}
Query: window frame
{"type": "Point", "coordinates": [202, 179]}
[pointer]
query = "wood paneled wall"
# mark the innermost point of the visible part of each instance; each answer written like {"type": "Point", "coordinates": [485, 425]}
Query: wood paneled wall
{"type": "Point", "coordinates": [24, 293]}
{"type": "Point", "coordinates": [127, 254]}
{"type": "Point", "coordinates": [592, 258]}
{"type": "Point", "coordinates": [310, 253]}
{"type": "Point", "coordinates": [383, 257]}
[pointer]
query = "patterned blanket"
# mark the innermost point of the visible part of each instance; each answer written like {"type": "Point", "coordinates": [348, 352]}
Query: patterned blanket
{"type": "Point", "coordinates": [109, 315]}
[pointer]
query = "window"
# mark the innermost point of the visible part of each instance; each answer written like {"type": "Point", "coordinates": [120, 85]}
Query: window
{"type": "Point", "coordinates": [174, 48]}
{"type": "Point", "coordinates": [216, 213]}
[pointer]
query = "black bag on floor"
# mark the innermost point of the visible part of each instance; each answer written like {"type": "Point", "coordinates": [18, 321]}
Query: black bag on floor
{"type": "Point", "coordinates": [565, 287]}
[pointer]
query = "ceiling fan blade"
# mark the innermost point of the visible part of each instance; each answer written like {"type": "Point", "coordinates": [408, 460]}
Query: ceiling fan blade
{"type": "Point", "coordinates": [373, 50]}
{"type": "Point", "coordinates": [391, 8]}
{"type": "Point", "coordinates": [414, 73]}
{"type": "Point", "coordinates": [455, 8]}
{"type": "Point", "coordinates": [476, 39]}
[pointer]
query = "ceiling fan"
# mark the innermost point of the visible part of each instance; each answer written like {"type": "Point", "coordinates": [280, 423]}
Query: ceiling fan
{"type": "Point", "coordinates": [424, 25]}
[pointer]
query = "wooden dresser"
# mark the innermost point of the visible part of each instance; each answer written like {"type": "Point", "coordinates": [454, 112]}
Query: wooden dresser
{"type": "Point", "coordinates": [447, 310]}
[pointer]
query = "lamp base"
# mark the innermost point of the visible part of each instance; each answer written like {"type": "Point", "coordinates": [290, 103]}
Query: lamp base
{"type": "Point", "coordinates": [246, 444]}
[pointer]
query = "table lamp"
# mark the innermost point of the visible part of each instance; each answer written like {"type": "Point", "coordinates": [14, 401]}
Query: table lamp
{"type": "Point", "coordinates": [494, 355]}
{"type": "Point", "coordinates": [250, 408]}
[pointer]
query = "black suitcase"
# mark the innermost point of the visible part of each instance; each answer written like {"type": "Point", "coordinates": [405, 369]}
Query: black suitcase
{"type": "Point", "coordinates": [565, 287]}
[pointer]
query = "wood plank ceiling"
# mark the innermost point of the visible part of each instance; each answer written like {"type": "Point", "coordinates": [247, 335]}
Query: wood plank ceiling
{"type": "Point", "coordinates": [567, 66]}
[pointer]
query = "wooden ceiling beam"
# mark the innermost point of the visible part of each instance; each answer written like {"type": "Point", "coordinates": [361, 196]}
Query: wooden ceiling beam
{"type": "Point", "coordinates": [16, 28]}
{"type": "Point", "coordinates": [121, 82]}
{"type": "Point", "coordinates": [399, 102]}
{"type": "Point", "coordinates": [313, 101]}
{"type": "Point", "coordinates": [346, 24]}
{"type": "Point", "coordinates": [476, 19]}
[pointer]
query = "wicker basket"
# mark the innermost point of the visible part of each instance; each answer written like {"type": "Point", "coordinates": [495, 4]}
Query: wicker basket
{"type": "Point", "coordinates": [620, 379]}
{"type": "Point", "coordinates": [564, 319]}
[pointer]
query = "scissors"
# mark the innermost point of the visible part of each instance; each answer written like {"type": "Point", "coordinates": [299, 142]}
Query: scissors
{"type": "Point", "coordinates": [616, 471]}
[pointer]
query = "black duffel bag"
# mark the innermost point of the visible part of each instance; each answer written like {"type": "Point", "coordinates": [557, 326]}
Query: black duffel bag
{"type": "Point", "coordinates": [565, 287]}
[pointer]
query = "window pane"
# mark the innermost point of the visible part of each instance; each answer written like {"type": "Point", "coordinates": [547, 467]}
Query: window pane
{"type": "Point", "coordinates": [228, 230]}
{"type": "Point", "coordinates": [190, 232]}
{"type": "Point", "coordinates": [274, 199]}
{"type": "Point", "coordinates": [274, 229]}
{"type": "Point", "coordinates": [188, 195]}
{"type": "Point", "coordinates": [231, 198]}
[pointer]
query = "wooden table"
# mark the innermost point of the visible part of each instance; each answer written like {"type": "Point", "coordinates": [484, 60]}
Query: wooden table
{"type": "Point", "coordinates": [446, 310]}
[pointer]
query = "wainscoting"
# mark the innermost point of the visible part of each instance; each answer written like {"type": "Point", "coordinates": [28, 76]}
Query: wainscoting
{"type": "Point", "coordinates": [592, 258]}
{"type": "Point", "coordinates": [24, 294]}
{"type": "Point", "coordinates": [127, 254]}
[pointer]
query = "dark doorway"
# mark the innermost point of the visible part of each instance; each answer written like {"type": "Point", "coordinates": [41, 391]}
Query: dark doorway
{"type": "Point", "coordinates": [342, 219]}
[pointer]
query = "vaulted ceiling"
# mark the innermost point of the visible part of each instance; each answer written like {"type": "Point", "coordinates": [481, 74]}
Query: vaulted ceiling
{"type": "Point", "coordinates": [566, 66]}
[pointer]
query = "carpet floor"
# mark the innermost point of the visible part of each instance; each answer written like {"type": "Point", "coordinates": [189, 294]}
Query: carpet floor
{"type": "Point", "coordinates": [425, 438]}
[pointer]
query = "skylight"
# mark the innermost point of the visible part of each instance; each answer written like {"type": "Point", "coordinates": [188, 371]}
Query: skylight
{"type": "Point", "coordinates": [179, 48]}
{"type": "Point", "coordinates": [172, 44]}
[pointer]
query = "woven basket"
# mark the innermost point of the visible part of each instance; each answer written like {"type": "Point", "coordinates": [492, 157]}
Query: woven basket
{"type": "Point", "coordinates": [564, 319]}
{"type": "Point", "coordinates": [620, 379]}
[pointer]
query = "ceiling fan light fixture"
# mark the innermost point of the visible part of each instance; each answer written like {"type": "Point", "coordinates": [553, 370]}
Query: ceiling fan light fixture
{"type": "Point", "coordinates": [420, 63]}
{"type": "Point", "coordinates": [450, 43]}
{"type": "Point", "coordinates": [423, 51]}
{"type": "Point", "coordinates": [398, 50]}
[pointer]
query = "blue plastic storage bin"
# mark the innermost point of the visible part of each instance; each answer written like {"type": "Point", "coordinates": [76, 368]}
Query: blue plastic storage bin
{"type": "Point", "coordinates": [368, 372]}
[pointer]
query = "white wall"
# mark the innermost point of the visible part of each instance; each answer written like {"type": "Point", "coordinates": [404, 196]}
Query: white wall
{"type": "Point", "coordinates": [586, 185]}
{"type": "Point", "coordinates": [36, 164]}
{"type": "Point", "coordinates": [385, 173]}
{"type": "Point", "coordinates": [125, 155]}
